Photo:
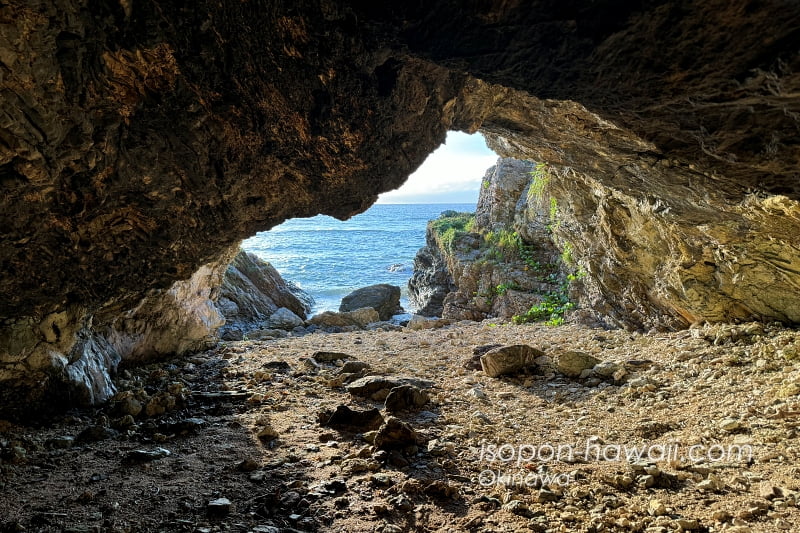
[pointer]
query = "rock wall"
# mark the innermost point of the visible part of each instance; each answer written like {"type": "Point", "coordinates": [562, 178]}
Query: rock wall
{"type": "Point", "coordinates": [142, 140]}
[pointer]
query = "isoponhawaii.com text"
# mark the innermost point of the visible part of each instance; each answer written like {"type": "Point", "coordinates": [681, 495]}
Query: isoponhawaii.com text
{"type": "Point", "coordinates": [591, 451]}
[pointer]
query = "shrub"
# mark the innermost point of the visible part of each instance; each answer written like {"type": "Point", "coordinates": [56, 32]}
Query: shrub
{"type": "Point", "coordinates": [550, 310]}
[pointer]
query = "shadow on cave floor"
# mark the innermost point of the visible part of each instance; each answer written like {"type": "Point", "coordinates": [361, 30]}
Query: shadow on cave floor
{"type": "Point", "coordinates": [480, 456]}
{"type": "Point", "coordinates": [226, 440]}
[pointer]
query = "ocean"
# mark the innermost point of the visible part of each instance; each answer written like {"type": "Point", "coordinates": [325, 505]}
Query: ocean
{"type": "Point", "coordinates": [329, 258]}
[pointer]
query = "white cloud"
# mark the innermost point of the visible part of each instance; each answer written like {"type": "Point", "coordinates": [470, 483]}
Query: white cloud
{"type": "Point", "coordinates": [452, 173]}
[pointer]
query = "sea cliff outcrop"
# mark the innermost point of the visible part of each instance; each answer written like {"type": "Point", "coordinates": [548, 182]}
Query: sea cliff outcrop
{"type": "Point", "coordinates": [498, 262]}
{"type": "Point", "coordinates": [140, 141]}
{"type": "Point", "coordinates": [252, 291]}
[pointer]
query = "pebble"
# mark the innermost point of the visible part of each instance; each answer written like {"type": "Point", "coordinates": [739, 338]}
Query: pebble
{"type": "Point", "coordinates": [730, 425]}
{"type": "Point", "coordinates": [656, 508]}
{"type": "Point", "coordinates": [219, 507]}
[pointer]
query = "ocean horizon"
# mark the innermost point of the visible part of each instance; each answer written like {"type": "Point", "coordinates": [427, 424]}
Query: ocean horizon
{"type": "Point", "coordinates": [329, 258]}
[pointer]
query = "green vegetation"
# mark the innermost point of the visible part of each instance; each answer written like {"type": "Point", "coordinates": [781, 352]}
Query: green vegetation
{"type": "Point", "coordinates": [450, 225]}
{"type": "Point", "coordinates": [504, 287]}
{"type": "Point", "coordinates": [539, 182]}
{"type": "Point", "coordinates": [550, 310]}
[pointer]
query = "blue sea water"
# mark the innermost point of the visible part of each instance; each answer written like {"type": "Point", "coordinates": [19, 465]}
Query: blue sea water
{"type": "Point", "coordinates": [329, 258]}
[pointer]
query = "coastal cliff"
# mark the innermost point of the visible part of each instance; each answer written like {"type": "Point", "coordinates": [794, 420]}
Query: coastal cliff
{"type": "Point", "coordinates": [141, 141]}
{"type": "Point", "coordinates": [502, 261]}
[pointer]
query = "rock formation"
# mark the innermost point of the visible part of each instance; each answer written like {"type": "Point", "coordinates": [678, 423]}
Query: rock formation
{"type": "Point", "coordinates": [498, 263]}
{"type": "Point", "coordinates": [141, 141]}
{"type": "Point", "coordinates": [252, 291]}
{"type": "Point", "coordinates": [384, 298]}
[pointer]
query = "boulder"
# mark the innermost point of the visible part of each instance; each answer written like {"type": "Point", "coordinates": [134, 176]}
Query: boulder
{"type": "Point", "coordinates": [572, 363]}
{"type": "Point", "coordinates": [285, 319]}
{"type": "Point", "coordinates": [358, 318]}
{"type": "Point", "coordinates": [384, 298]}
{"type": "Point", "coordinates": [509, 359]}
{"type": "Point", "coordinates": [252, 291]}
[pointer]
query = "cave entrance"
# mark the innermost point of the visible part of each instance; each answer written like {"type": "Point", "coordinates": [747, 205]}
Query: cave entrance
{"type": "Point", "coordinates": [329, 258]}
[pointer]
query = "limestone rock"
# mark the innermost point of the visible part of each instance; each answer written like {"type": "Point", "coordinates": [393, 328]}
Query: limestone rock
{"type": "Point", "coordinates": [572, 363]}
{"type": "Point", "coordinates": [384, 298]}
{"type": "Point", "coordinates": [370, 385]}
{"type": "Point", "coordinates": [509, 359]}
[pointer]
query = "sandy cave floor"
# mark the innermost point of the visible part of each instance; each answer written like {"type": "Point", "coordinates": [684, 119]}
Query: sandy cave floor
{"type": "Point", "coordinates": [719, 401]}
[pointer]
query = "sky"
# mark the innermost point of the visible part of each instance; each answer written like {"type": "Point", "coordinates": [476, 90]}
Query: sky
{"type": "Point", "coordinates": [451, 174]}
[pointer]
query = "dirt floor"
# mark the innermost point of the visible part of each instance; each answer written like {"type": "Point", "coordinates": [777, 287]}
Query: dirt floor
{"type": "Point", "coordinates": [687, 431]}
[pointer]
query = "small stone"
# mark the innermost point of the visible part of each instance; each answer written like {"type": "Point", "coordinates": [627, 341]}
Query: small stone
{"type": "Point", "coordinates": [353, 367]}
{"type": "Point", "coordinates": [768, 491]}
{"type": "Point", "coordinates": [606, 369]}
{"type": "Point", "coordinates": [61, 442]}
{"type": "Point", "coordinates": [721, 516]}
{"type": "Point", "coordinates": [248, 465]}
{"type": "Point", "coordinates": [394, 433]}
{"type": "Point", "coordinates": [572, 363]}
{"type": "Point", "coordinates": [730, 425]}
{"type": "Point", "coordinates": [688, 524]}
{"type": "Point", "coordinates": [329, 357]}
{"type": "Point", "coordinates": [545, 495]}
{"type": "Point", "coordinates": [518, 508]}
{"type": "Point", "coordinates": [656, 508]}
{"type": "Point", "coordinates": [142, 456]}
{"type": "Point", "coordinates": [405, 397]}
{"type": "Point", "coordinates": [219, 507]}
{"type": "Point", "coordinates": [344, 417]}
{"type": "Point", "coordinates": [477, 393]}
{"type": "Point", "coordinates": [267, 433]}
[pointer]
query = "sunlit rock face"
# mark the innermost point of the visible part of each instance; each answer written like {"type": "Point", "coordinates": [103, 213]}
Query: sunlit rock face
{"type": "Point", "coordinates": [142, 140]}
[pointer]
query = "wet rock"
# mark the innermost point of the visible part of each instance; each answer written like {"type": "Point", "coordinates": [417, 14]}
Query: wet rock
{"type": "Point", "coordinates": [509, 359]}
{"type": "Point", "coordinates": [406, 397]}
{"type": "Point", "coordinates": [394, 434]}
{"type": "Point", "coordinates": [572, 363]}
{"type": "Point", "coordinates": [344, 417]}
{"type": "Point", "coordinates": [383, 298]}
{"type": "Point", "coordinates": [284, 319]}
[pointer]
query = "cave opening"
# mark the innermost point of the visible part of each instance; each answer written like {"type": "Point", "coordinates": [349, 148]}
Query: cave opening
{"type": "Point", "coordinates": [329, 258]}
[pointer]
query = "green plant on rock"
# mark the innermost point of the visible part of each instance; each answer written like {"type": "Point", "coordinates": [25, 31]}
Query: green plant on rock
{"type": "Point", "coordinates": [450, 225]}
{"type": "Point", "coordinates": [539, 182]}
{"type": "Point", "coordinates": [550, 310]}
{"type": "Point", "coordinates": [505, 287]}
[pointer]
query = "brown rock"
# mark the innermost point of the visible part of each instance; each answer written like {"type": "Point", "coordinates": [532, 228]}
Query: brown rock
{"type": "Point", "coordinates": [509, 359]}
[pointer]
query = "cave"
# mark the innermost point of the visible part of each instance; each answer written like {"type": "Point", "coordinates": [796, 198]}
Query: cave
{"type": "Point", "coordinates": [142, 141]}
